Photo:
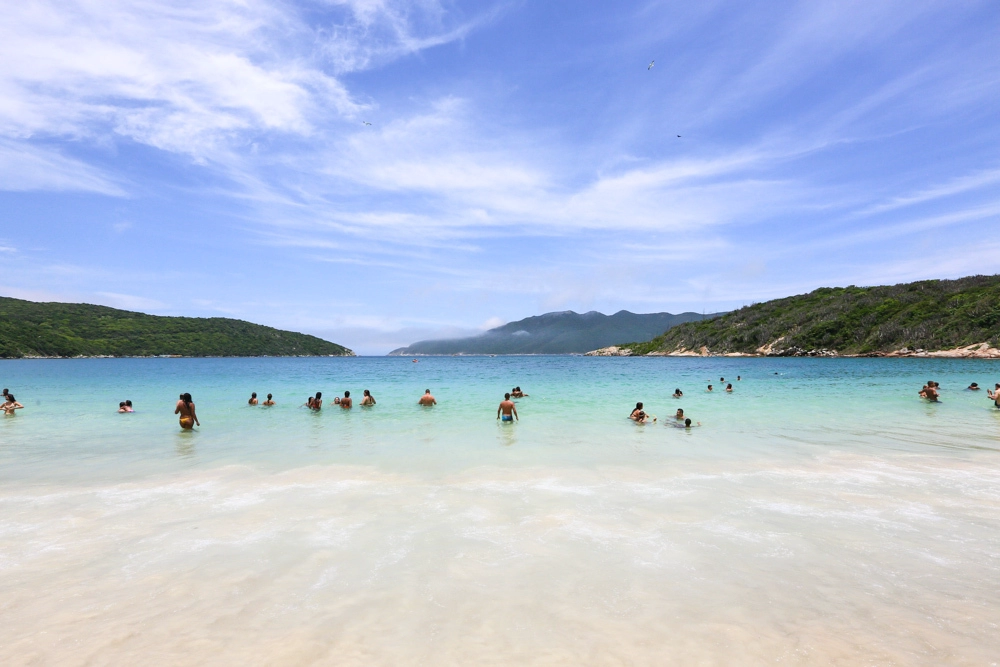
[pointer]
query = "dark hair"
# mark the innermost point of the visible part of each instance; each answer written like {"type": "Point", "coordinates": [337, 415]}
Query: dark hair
{"type": "Point", "coordinates": [680, 410]}
{"type": "Point", "coordinates": [269, 397]}
{"type": "Point", "coordinates": [186, 397]}
{"type": "Point", "coordinates": [5, 390]}
{"type": "Point", "coordinates": [10, 397]}
{"type": "Point", "coordinates": [367, 393]}
{"type": "Point", "coordinates": [687, 422]}
{"type": "Point", "coordinates": [729, 386]}
{"type": "Point", "coordinates": [677, 391]}
{"type": "Point", "coordinates": [427, 391]}
{"type": "Point", "coordinates": [722, 379]}
{"type": "Point", "coordinates": [319, 395]}
{"type": "Point", "coordinates": [507, 396]}
{"type": "Point", "coordinates": [128, 403]}
{"type": "Point", "coordinates": [253, 394]}
{"type": "Point", "coordinates": [638, 406]}
{"type": "Point", "coordinates": [122, 404]}
{"type": "Point", "coordinates": [347, 394]}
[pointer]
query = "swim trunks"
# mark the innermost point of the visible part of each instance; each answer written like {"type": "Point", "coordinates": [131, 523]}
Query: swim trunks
{"type": "Point", "coordinates": [507, 418]}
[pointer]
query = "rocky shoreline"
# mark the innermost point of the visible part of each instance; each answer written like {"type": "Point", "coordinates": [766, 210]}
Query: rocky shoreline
{"type": "Point", "coordinates": [974, 351]}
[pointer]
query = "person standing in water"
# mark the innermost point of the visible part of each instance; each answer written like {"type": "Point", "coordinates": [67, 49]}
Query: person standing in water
{"type": "Point", "coordinates": [253, 399]}
{"type": "Point", "coordinates": [185, 408]}
{"type": "Point", "coordinates": [317, 403]}
{"type": "Point", "coordinates": [11, 404]}
{"type": "Point", "coordinates": [709, 388]}
{"type": "Point", "coordinates": [993, 395]}
{"type": "Point", "coordinates": [507, 412]}
{"type": "Point", "coordinates": [729, 387]}
{"type": "Point", "coordinates": [269, 401]}
{"type": "Point", "coordinates": [678, 393]}
{"type": "Point", "coordinates": [128, 405]}
{"type": "Point", "coordinates": [427, 399]}
{"type": "Point", "coordinates": [680, 415]}
{"type": "Point", "coordinates": [367, 399]}
{"type": "Point", "coordinates": [347, 402]}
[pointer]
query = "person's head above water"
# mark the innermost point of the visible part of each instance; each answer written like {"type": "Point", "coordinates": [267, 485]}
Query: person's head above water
{"type": "Point", "coordinates": [687, 422]}
{"type": "Point", "coordinates": [729, 386]}
{"type": "Point", "coordinates": [122, 404]}
{"type": "Point", "coordinates": [128, 403]}
{"type": "Point", "coordinates": [427, 391]}
{"type": "Point", "coordinates": [319, 395]}
{"type": "Point", "coordinates": [710, 387]}
{"type": "Point", "coordinates": [347, 394]}
{"type": "Point", "coordinates": [367, 393]}
{"type": "Point", "coordinates": [506, 396]}
{"type": "Point", "coordinates": [680, 412]}
{"type": "Point", "coordinates": [638, 406]}
{"type": "Point", "coordinates": [269, 397]}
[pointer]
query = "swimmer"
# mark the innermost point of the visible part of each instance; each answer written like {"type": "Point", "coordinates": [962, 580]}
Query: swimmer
{"type": "Point", "coordinates": [185, 408]}
{"type": "Point", "coordinates": [427, 399]}
{"type": "Point", "coordinates": [709, 388]}
{"type": "Point", "coordinates": [5, 392]}
{"type": "Point", "coordinates": [121, 407]}
{"type": "Point", "coordinates": [317, 403]}
{"type": "Point", "coordinates": [128, 406]}
{"type": "Point", "coordinates": [347, 402]}
{"type": "Point", "coordinates": [678, 393]}
{"type": "Point", "coordinates": [729, 387]}
{"type": "Point", "coordinates": [269, 401]}
{"type": "Point", "coordinates": [973, 387]}
{"type": "Point", "coordinates": [517, 393]}
{"type": "Point", "coordinates": [253, 399]}
{"type": "Point", "coordinates": [507, 412]}
{"type": "Point", "coordinates": [687, 424]}
{"type": "Point", "coordinates": [309, 402]}
{"type": "Point", "coordinates": [636, 412]}
{"type": "Point", "coordinates": [680, 415]}
{"type": "Point", "coordinates": [336, 400]}
{"type": "Point", "coordinates": [10, 404]}
{"type": "Point", "coordinates": [929, 392]}
{"type": "Point", "coordinates": [994, 395]}
{"type": "Point", "coordinates": [367, 399]}
{"type": "Point", "coordinates": [722, 379]}
{"type": "Point", "coordinates": [738, 378]}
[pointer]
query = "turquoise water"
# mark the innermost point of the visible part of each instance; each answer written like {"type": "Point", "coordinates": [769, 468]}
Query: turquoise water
{"type": "Point", "coordinates": [821, 513]}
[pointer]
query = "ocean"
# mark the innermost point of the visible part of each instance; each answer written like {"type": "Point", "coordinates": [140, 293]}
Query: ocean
{"type": "Point", "coordinates": [821, 514]}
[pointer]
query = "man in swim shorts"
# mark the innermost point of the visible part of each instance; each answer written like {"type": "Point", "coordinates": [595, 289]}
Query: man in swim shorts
{"type": "Point", "coordinates": [509, 412]}
{"type": "Point", "coordinates": [347, 402]}
{"type": "Point", "coordinates": [427, 399]}
{"type": "Point", "coordinates": [185, 408]}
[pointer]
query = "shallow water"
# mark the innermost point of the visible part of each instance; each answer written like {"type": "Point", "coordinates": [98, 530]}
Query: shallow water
{"type": "Point", "coordinates": [820, 514]}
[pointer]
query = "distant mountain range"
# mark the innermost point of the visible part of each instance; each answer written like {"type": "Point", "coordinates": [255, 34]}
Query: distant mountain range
{"type": "Point", "coordinates": [557, 333]}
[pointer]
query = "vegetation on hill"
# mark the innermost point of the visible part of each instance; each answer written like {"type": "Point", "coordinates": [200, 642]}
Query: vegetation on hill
{"type": "Point", "coordinates": [555, 333]}
{"type": "Point", "coordinates": [29, 329]}
{"type": "Point", "coordinates": [930, 315]}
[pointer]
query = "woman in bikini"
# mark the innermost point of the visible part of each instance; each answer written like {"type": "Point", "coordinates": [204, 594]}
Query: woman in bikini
{"type": "Point", "coordinates": [368, 399]}
{"type": "Point", "coordinates": [10, 405]}
{"type": "Point", "coordinates": [185, 408]}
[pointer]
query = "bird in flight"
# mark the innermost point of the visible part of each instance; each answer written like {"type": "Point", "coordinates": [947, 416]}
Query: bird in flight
{"type": "Point", "coordinates": [366, 122]}
{"type": "Point", "coordinates": [651, 63]}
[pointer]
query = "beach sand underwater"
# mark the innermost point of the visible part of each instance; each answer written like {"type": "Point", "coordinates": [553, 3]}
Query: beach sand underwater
{"type": "Point", "coordinates": [822, 513]}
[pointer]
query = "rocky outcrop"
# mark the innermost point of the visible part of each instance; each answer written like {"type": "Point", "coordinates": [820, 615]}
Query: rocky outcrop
{"type": "Point", "coordinates": [611, 351]}
{"type": "Point", "coordinates": [975, 351]}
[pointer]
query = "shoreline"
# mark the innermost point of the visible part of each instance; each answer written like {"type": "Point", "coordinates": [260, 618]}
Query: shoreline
{"type": "Point", "coordinates": [974, 351]}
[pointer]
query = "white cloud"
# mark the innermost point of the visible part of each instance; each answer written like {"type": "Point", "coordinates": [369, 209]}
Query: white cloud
{"type": "Point", "coordinates": [26, 167]}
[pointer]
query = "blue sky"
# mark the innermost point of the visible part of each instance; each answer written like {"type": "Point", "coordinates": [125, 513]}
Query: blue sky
{"type": "Point", "coordinates": [211, 158]}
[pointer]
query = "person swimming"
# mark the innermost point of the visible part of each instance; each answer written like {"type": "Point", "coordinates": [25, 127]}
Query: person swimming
{"type": "Point", "coordinates": [929, 392]}
{"type": "Point", "coordinates": [253, 399]}
{"type": "Point", "coordinates": [269, 401]}
{"type": "Point", "coordinates": [427, 399]}
{"type": "Point", "coordinates": [738, 378]}
{"type": "Point", "coordinates": [121, 407]}
{"type": "Point", "coordinates": [722, 379]}
{"type": "Point", "coordinates": [347, 402]}
{"type": "Point", "coordinates": [367, 399]}
{"type": "Point", "coordinates": [188, 416]}
{"type": "Point", "coordinates": [10, 404]}
{"type": "Point", "coordinates": [709, 388]}
{"type": "Point", "coordinates": [973, 387]}
{"type": "Point", "coordinates": [317, 403]}
{"type": "Point", "coordinates": [128, 406]}
{"type": "Point", "coordinates": [507, 412]}
{"type": "Point", "coordinates": [729, 387]}
{"type": "Point", "coordinates": [678, 393]}
{"type": "Point", "coordinates": [517, 393]}
{"type": "Point", "coordinates": [680, 414]}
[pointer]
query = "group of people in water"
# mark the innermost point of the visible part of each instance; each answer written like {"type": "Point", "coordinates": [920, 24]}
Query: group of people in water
{"type": "Point", "coordinates": [640, 416]}
{"type": "Point", "coordinates": [316, 402]}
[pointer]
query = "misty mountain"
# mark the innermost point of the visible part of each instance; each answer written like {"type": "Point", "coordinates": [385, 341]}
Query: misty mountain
{"type": "Point", "coordinates": [557, 333]}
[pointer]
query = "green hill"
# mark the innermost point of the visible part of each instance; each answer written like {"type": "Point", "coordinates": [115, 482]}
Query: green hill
{"type": "Point", "coordinates": [928, 315]}
{"type": "Point", "coordinates": [29, 329]}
